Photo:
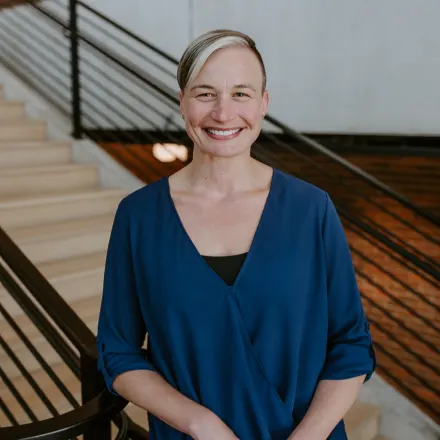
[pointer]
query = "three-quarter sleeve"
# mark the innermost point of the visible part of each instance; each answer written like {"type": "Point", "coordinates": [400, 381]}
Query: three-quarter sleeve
{"type": "Point", "coordinates": [350, 351]}
{"type": "Point", "coordinates": [121, 328]}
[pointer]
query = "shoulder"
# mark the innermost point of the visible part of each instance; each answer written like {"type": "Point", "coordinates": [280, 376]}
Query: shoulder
{"type": "Point", "coordinates": [141, 200]}
{"type": "Point", "coordinates": [303, 195]}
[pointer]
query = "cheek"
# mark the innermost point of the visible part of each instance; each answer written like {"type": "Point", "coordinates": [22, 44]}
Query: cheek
{"type": "Point", "coordinates": [252, 115]}
{"type": "Point", "coordinates": [197, 113]}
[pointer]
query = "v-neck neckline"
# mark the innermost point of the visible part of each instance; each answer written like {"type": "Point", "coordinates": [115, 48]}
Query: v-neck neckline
{"type": "Point", "coordinates": [254, 242]}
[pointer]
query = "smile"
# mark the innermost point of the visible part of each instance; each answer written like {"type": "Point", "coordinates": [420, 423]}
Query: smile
{"type": "Point", "coordinates": [223, 134]}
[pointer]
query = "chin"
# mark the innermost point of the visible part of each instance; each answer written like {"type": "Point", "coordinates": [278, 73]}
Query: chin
{"type": "Point", "coordinates": [227, 150]}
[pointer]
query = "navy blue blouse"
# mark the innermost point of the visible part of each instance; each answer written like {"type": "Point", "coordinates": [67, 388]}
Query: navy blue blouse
{"type": "Point", "coordinates": [252, 352]}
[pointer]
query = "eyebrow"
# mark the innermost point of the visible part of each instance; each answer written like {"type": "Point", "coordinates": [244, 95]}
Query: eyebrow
{"type": "Point", "coordinates": [237, 86]}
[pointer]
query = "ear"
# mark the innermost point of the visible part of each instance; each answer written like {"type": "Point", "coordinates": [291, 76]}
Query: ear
{"type": "Point", "coordinates": [265, 103]}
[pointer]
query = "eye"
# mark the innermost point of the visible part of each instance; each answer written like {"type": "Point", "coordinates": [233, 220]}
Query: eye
{"type": "Point", "coordinates": [241, 95]}
{"type": "Point", "coordinates": [206, 95]}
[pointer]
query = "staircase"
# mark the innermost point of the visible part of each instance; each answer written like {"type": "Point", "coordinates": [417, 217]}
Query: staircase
{"type": "Point", "coordinates": [60, 217]}
{"type": "Point", "coordinates": [58, 214]}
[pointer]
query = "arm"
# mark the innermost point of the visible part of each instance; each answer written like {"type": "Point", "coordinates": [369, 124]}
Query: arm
{"type": "Point", "coordinates": [121, 332]}
{"type": "Point", "coordinates": [332, 400]}
{"type": "Point", "coordinates": [350, 359]}
{"type": "Point", "coordinates": [151, 392]}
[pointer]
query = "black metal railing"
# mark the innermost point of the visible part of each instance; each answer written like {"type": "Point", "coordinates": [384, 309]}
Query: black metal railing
{"type": "Point", "coordinates": [28, 294]}
{"type": "Point", "coordinates": [119, 89]}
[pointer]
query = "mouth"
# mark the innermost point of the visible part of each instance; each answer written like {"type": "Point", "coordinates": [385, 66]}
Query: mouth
{"type": "Point", "coordinates": [223, 134]}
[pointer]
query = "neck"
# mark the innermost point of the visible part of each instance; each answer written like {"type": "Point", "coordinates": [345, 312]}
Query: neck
{"type": "Point", "coordinates": [222, 176]}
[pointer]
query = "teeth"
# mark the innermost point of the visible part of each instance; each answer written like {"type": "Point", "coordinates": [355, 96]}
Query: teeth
{"type": "Point", "coordinates": [223, 133]}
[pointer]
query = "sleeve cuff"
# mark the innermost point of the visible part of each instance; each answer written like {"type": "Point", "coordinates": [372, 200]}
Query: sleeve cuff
{"type": "Point", "coordinates": [346, 360]}
{"type": "Point", "coordinates": [113, 365]}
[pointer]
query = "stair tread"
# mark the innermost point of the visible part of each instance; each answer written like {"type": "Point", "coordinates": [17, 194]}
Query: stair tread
{"type": "Point", "coordinates": [29, 199]}
{"type": "Point", "coordinates": [22, 121]}
{"type": "Point", "coordinates": [52, 230]}
{"type": "Point", "coordinates": [33, 144]}
{"type": "Point", "coordinates": [44, 148]}
{"type": "Point", "coordinates": [68, 266]}
{"type": "Point", "coordinates": [6, 104]}
{"type": "Point", "coordinates": [10, 101]}
{"type": "Point", "coordinates": [45, 169]}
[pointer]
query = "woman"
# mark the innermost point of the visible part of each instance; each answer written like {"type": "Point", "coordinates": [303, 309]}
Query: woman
{"type": "Point", "coordinates": [240, 274]}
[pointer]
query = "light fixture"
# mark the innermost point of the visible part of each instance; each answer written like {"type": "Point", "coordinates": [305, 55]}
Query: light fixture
{"type": "Point", "coordinates": [170, 152]}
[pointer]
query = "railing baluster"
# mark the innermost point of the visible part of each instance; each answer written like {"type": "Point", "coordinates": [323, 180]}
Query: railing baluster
{"type": "Point", "coordinates": [8, 413]}
{"type": "Point", "coordinates": [75, 72]}
{"type": "Point", "coordinates": [40, 393]}
{"type": "Point", "coordinates": [91, 385]}
{"type": "Point", "coordinates": [46, 367]}
{"type": "Point", "coordinates": [18, 396]}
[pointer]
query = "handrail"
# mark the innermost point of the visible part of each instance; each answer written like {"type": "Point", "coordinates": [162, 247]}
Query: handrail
{"type": "Point", "coordinates": [76, 422]}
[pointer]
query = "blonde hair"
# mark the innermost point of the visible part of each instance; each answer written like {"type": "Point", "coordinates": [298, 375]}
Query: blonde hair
{"type": "Point", "coordinates": [199, 50]}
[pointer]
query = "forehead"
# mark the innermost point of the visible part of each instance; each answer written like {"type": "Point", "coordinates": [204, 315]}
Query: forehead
{"type": "Point", "coordinates": [231, 65]}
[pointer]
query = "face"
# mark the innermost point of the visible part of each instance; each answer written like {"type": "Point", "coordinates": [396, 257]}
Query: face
{"type": "Point", "coordinates": [224, 106]}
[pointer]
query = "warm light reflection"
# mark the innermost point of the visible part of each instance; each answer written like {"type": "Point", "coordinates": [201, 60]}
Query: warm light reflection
{"type": "Point", "coordinates": [170, 152]}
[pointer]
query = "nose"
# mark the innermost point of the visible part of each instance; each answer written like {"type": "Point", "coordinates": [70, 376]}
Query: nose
{"type": "Point", "coordinates": [223, 110]}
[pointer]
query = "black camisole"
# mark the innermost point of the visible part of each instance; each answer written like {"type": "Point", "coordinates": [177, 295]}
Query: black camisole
{"type": "Point", "coordinates": [227, 267]}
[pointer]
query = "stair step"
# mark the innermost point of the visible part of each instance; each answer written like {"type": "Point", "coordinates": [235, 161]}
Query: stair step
{"type": "Point", "coordinates": [30, 157]}
{"type": "Point", "coordinates": [362, 421]}
{"type": "Point", "coordinates": [48, 179]}
{"type": "Point", "coordinates": [27, 145]}
{"type": "Point", "coordinates": [11, 110]}
{"type": "Point", "coordinates": [65, 239]}
{"type": "Point", "coordinates": [23, 211]}
{"type": "Point", "coordinates": [73, 265]}
{"type": "Point", "coordinates": [21, 129]}
{"type": "Point", "coordinates": [72, 282]}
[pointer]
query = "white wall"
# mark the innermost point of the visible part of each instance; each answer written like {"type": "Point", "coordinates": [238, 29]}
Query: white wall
{"type": "Point", "coordinates": [334, 66]}
{"type": "Point", "coordinates": [165, 23]}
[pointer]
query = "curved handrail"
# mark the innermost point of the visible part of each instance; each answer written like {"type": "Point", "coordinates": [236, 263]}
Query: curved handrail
{"type": "Point", "coordinates": [73, 423]}
{"type": "Point", "coordinates": [103, 406]}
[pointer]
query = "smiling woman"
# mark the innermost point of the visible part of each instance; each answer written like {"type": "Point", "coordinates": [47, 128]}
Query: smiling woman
{"type": "Point", "coordinates": [241, 275]}
{"type": "Point", "coordinates": [224, 99]}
